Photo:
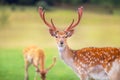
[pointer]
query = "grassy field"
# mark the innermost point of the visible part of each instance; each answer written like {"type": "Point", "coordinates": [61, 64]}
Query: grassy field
{"type": "Point", "coordinates": [24, 27]}
{"type": "Point", "coordinates": [12, 66]}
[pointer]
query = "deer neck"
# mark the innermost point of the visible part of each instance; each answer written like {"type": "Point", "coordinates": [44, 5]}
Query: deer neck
{"type": "Point", "coordinates": [66, 54]}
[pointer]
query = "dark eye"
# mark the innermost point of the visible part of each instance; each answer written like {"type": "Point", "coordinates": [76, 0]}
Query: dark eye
{"type": "Point", "coordinates": [66, 36]}
{"type": "Point", "coordinates": [56, 36]}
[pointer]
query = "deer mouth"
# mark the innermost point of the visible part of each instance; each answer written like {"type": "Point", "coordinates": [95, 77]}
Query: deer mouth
{"type": "Point", "coordinates": [61, 45]}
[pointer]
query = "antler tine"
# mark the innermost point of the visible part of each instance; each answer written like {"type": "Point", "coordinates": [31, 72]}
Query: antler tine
{"type": "Point", "coordinates": [54, 61]}
{"type": "Point", "coordinates": [70, 25]}
{"type": "Point", "coordinates": [53, 24]}
{"type": "Point", "coordinates": [40, 12]}
{"type": "Point", "coordinates": [42, 15]}
{"type": "Point", "coordinates": [79, 17]}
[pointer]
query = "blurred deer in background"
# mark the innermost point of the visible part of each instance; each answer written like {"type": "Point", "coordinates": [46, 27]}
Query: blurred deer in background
{"type": "Point", "coordinates": [35, 56]}
{"type": "Point", "coordinates": [87, 63]}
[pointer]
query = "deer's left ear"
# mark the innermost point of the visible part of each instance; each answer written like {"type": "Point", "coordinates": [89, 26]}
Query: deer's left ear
{"type": "Point", "coordinates": [69, 33]}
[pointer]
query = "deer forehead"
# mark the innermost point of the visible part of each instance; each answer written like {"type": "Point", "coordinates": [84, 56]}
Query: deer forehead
{"type": "Point", "coordinates": [61, 33]}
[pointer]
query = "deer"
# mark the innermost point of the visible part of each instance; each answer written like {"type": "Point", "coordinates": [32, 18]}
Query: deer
{"type": "Point", "coordinates": [89, 63]}
{"type": "Point", "coordinates": [35, 56]}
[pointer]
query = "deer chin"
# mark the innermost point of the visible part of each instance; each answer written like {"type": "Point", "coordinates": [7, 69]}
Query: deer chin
{"type": "Point", "coordinates": [61, 45]}
{"type": "Point", "coordinates": [61, 48]}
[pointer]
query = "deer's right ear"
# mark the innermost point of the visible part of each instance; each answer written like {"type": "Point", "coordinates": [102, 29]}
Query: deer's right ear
{"type": "Point", "coordinates": [53, 32]}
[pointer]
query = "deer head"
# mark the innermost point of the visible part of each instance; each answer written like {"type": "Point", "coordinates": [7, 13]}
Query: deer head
{"type": "Point", "coordinates": [43, 72]}
{"type": "Point", "coordinates": [61, 36]}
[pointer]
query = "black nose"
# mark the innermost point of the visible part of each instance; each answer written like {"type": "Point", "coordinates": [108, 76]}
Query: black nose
{"type": "Point", "coordinates": [61, 42]}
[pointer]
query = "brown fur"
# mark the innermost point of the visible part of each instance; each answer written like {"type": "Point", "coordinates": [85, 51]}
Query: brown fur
{"type": "Point", "coordinates": [35, 56]}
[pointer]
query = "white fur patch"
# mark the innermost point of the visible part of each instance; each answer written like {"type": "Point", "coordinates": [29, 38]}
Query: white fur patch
{"type": "Point", "coordinates": [29, 58]}
{"type": "Point", "coordinates": [61, 50]}
{"type": "Point", "coordinates": [115, 68]}
{"type": "Point", "coordinates": [98, 73]}
{"type": "Point", "coordinates": [63, 56]}
{"type": "Point", "coordinates": [99, 76]}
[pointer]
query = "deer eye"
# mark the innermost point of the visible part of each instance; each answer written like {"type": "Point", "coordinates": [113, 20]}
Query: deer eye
{"type": "Point", "coordinates": [66, 36]}
{"type": "Point", "coordinates": [56, 36]}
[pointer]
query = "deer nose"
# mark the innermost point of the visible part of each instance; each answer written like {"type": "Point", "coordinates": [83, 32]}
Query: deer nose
{"type": "Point", "coordinates": [61, 42]}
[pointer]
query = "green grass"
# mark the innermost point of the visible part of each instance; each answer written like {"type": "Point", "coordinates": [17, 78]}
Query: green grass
{"type": "Point", "coordinates": [12, 66]}
{"type": "Point", "coordinates": [25, 27]}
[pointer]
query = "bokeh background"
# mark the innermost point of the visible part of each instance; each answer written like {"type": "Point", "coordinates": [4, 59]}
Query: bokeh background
{"type": "Point", "coordinates": [21, 26]}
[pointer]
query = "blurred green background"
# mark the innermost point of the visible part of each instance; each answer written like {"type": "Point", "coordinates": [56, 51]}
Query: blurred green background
{"type": "Point", "coordinates": [21, 26]}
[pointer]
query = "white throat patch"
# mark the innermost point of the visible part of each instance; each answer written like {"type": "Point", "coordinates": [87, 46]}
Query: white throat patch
{"type": "Point", "coordinates": [61, 49]}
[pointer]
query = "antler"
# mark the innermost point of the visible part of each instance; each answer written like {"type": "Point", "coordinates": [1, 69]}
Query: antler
{"type": "Point", "coordinates": [42, 15]}
{"type": "Point", "coordinates": [72, 25]}
{"type": "Point", "coordinates": [54, 61]}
